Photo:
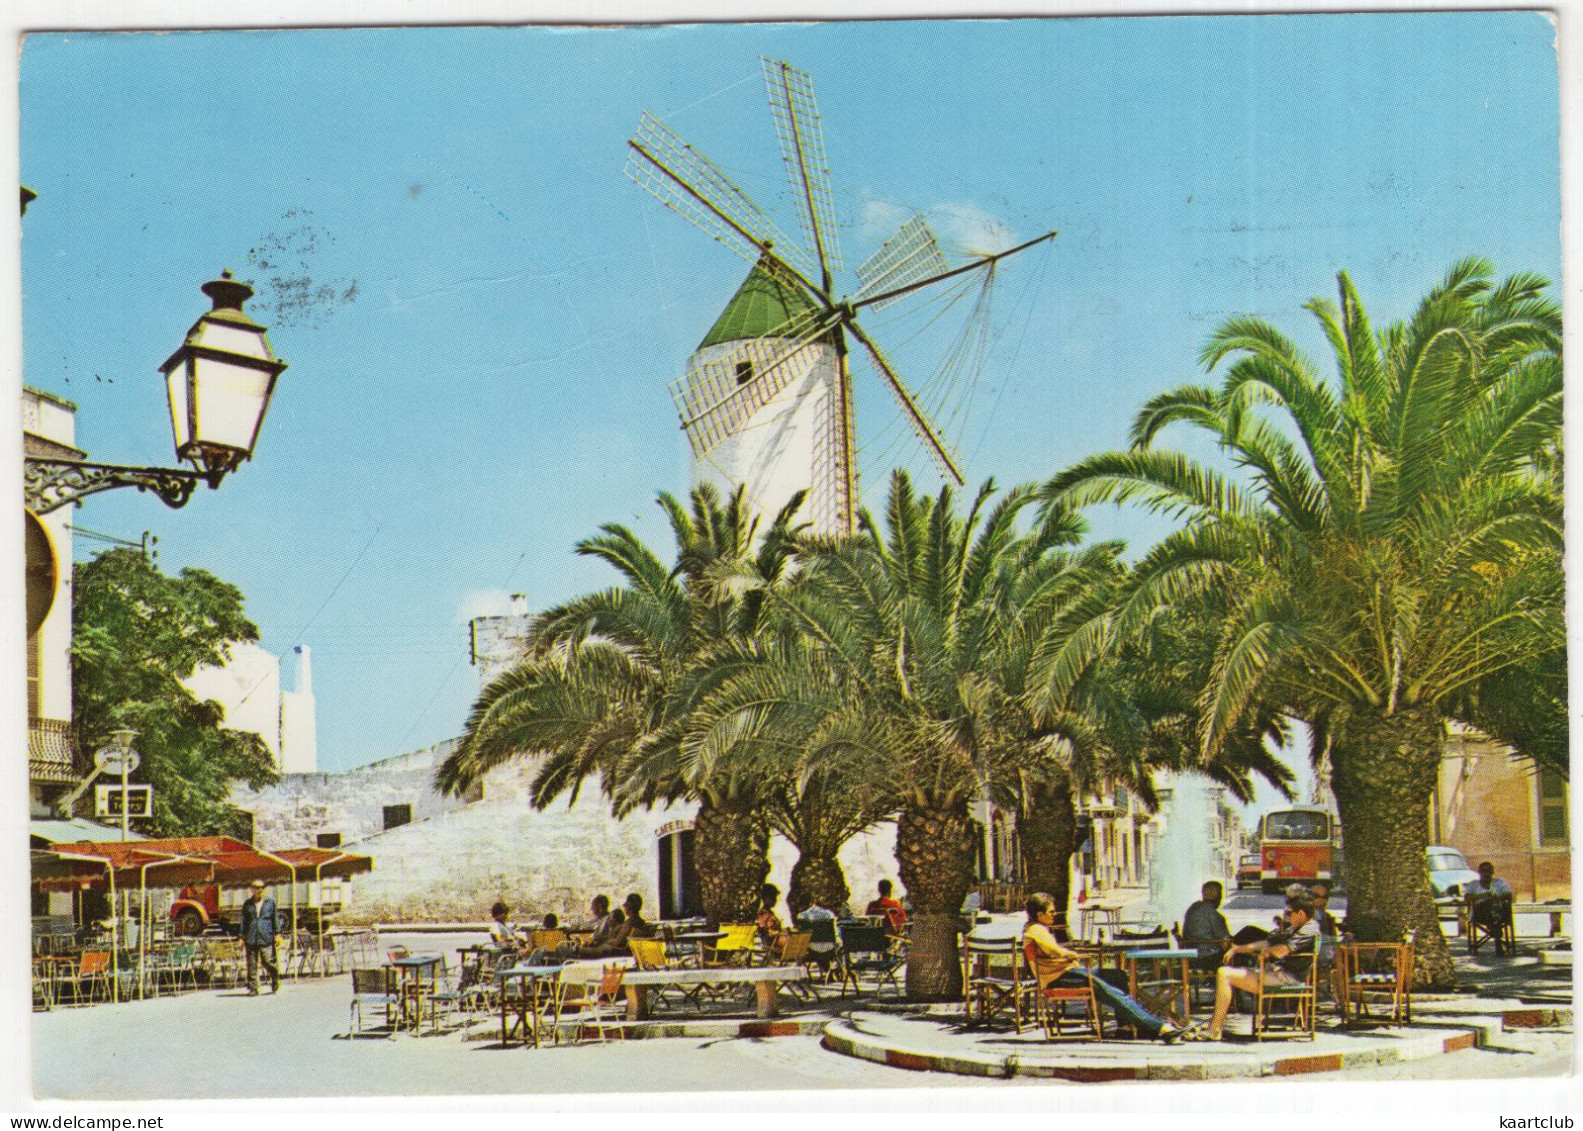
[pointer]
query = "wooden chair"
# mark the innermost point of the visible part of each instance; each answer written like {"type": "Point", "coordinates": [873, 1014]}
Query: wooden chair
{"type": "Point", "coordinates": [993, 981]}
{"type": "Point", "coordinates": [1051, 1002]}
{"type": "Point", "coordinates": [1376, 971]}
{"type": "Point", "coordinates": [1489, 919]}
{"type": "Point", "coordinates": [1292, 1006]}
{"type": "Point", "coordinates": [791, 949]}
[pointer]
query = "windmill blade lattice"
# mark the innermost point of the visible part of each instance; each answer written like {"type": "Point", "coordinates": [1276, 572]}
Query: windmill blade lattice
{"type": "Point", "coordinates": [688, 183]}
{"type": "Point", "coordinates": [796, 114]}
{"type": "Point", "coordinates": [717, 397]}
{"type": "Point", "coordinates": [911, 254]}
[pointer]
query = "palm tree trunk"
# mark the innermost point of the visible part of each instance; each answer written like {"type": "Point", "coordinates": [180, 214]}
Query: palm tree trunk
{"type": "Point", "coordinates": [731, 850]}
{"type": "Point", "coordinates": [934, 857]}
{"type": "Point", "coordinates": [1383, 773]}
{"type": "Point", "coordinates": [1047, 833]}
{"type": "Point", "coordinates": [817, 878]}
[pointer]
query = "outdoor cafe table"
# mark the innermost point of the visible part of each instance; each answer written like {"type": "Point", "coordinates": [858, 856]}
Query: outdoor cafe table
{"type": "Point", "coordinates": [477, 962]}
{"type": "Point", "coordinates": [690, 944]}
{"type": "Point", "coordinates": [1102, 915]}
{"type": "Point", "coordinates": [1157, 980]}
{"type": "Point", "coordinates": [416, 976]}
{"type": "Point", "coordinates": [528, 1005]}
{"type": "Point", "coordinates": [765, 980]}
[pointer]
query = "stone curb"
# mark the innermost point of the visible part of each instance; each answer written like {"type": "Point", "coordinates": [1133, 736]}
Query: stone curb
{"type": "Point", "coordinates": [847, 1039]}
{"type": "Point", "coordinates": [1536, 1019]}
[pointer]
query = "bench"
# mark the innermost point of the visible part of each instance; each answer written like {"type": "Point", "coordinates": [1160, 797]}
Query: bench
{"type": "Point", "coordinates": [1554, 910]}
{"type": "Point", "coordinates": [765, 980]}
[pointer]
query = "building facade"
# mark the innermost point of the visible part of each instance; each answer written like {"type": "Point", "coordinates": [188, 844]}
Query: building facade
{"type": "Point", "coordinates": [54, 763]}
{"type": "Point", "coordinates": [1493, 804]}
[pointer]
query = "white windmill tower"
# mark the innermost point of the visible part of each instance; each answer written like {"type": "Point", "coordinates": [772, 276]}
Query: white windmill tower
{"type": "Point", "coordinates": [767, 399]}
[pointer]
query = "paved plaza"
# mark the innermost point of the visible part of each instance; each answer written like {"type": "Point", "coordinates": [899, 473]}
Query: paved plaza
{"type": "Point", "coordinates": [217, 1044]}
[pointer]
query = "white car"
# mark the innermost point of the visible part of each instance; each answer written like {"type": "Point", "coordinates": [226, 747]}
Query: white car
{"type": "Point", "coordinates": [1448, 871]}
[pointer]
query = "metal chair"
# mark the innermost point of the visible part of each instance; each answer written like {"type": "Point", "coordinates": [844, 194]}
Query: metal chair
{"type": "Point", "coordinates": [870, 950]}
{"type": "Point", "coordinates": [1052, 1000]}
{"type": "Point", "coordinates": [606, 1011]}
{"type": "Point", "coordinates": [373, 987]}
{"type": "Point", "coordinates": [733, 948]}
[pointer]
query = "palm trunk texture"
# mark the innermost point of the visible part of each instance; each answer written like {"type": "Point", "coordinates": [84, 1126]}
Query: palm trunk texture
{"type": "Point", "coordinates": [934, 858]}
{"type": "Point", "coordinates": [1047, 833]}
{"type": "Point", "coordinates": [1383, 774]}
{"type": "Point", "coordinates": [817, 878]}
{"type": "Point", "coordinates": [731, 849]}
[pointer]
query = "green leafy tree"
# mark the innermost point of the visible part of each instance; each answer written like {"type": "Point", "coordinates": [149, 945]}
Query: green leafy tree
{"type": "Point", "coordinates": [139, 633]}
{"type": "Point", "coordinates": [1389, 543]}
{"type": "Point", "coordinates": [612, 676]}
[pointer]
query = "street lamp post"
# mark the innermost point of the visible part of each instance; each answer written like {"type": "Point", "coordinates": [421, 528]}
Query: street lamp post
{"type": "Point", "coordinates": [219, 383]}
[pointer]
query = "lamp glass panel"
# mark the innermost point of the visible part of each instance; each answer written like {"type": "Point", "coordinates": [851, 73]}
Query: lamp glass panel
{"type": "Point", "coordinates": [231, 339]}
{"type": "Point", "coordinates": [180, 406]}
{"type": "Point", "coordinates": [230, 400]}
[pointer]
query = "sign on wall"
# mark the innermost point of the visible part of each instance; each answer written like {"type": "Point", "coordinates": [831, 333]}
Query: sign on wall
{"type": "Point", "coordinates": [108, 801]}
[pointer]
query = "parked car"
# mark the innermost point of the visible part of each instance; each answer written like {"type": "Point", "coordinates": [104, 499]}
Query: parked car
{"type": "Point", "coordinates": [1448, 871]}
{"type": "Point", "coordinates": [1248, 871]}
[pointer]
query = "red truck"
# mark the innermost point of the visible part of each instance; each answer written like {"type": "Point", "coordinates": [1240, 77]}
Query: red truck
{"type": "Point", "coordinates": [200, 908]}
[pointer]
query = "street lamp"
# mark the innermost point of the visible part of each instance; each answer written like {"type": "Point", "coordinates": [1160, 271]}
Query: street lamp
{"type": "Point", "coordinates": [219, 383]}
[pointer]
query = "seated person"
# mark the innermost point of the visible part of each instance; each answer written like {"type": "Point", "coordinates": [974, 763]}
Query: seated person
{"type": "Point", "coordinates": [891, 908]}
{"type": "Point", "coordinates": [633, 925]}
{"type": "Point", "coordinates": [1054, 964]}
{"type": "Point", "coordinates": [1328, 927]}
{"type": "Point", "coordinates": [768, 923]}
{"type": "Point", "coordinates": [1490, 898]}
{"type": "Point", "coordinates": [1204, 927]}
{"type": "Point", "coordinates": [818, 921]}
{"type": "Point", "coordinates": [1292, 948]}
{"type": "Point", "coordinates": [552, 922]}
{"type": "Point", "coordinates": [501, 931]}
{"type": "Point", "coordinates": [604, 944]}
{"type": "Point", "coordinates": [601, 925]}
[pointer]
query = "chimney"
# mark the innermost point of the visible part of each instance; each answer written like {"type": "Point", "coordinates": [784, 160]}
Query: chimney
{"type": "Point", "coordinates": [304, 670]}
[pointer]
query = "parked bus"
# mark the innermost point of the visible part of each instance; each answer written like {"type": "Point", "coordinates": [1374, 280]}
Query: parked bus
{"type": "Point", "coordinates": [1296, 845]}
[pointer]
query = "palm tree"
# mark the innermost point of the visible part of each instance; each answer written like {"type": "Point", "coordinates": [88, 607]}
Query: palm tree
{"type": "Point", "coordinates": [1385, 546]}
{"type": "Point", "coordinates": [910, 618]}
{"type": "Point", "coordinates": [611, 677]}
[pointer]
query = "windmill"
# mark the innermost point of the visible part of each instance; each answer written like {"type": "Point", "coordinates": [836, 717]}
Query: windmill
{"type": "Point", "coordinates": [766, 401]}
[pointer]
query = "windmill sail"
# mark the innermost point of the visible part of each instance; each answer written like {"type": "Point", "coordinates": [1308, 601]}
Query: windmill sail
{"type": "Point", "coordinates": [796, 114]}
{"type": "Point", "coordinates": [912, 253]}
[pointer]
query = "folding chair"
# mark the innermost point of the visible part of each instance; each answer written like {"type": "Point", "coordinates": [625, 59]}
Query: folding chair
{"type": "Point", "coordinates": [1051, 1001]}
{"type": "Point", "coordinates": [1270, 1002]}
{"type": "Point", "coordinates": [993, 980]}
{"type": "Point", "coordinates": [870, 950]}
{"type": "Point", "coordinates": [1489, 919]}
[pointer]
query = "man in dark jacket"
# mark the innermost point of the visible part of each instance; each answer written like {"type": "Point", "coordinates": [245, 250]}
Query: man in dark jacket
{"type": "Point", "coordinates": [260, 921]}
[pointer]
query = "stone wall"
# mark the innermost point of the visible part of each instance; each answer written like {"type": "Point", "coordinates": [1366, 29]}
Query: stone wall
{"type": "Point", "coordinates": [458, 856]}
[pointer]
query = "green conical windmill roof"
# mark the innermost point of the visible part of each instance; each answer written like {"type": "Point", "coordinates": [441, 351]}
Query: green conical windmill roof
{"type": "Point", "coordinates": [765, 301]}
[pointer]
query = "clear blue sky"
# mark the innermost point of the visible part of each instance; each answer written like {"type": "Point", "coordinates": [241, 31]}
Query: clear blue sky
{"type": "Point", "coordinates": [481, 377]}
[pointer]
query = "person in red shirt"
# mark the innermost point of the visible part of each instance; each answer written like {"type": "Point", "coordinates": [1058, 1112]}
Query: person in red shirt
{"type": "Point", "coordinates": [886, 905]}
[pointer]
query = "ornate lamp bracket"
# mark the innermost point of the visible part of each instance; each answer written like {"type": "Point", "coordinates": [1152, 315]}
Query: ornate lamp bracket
{"type": "Point", "coordinates": [48, 484]}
